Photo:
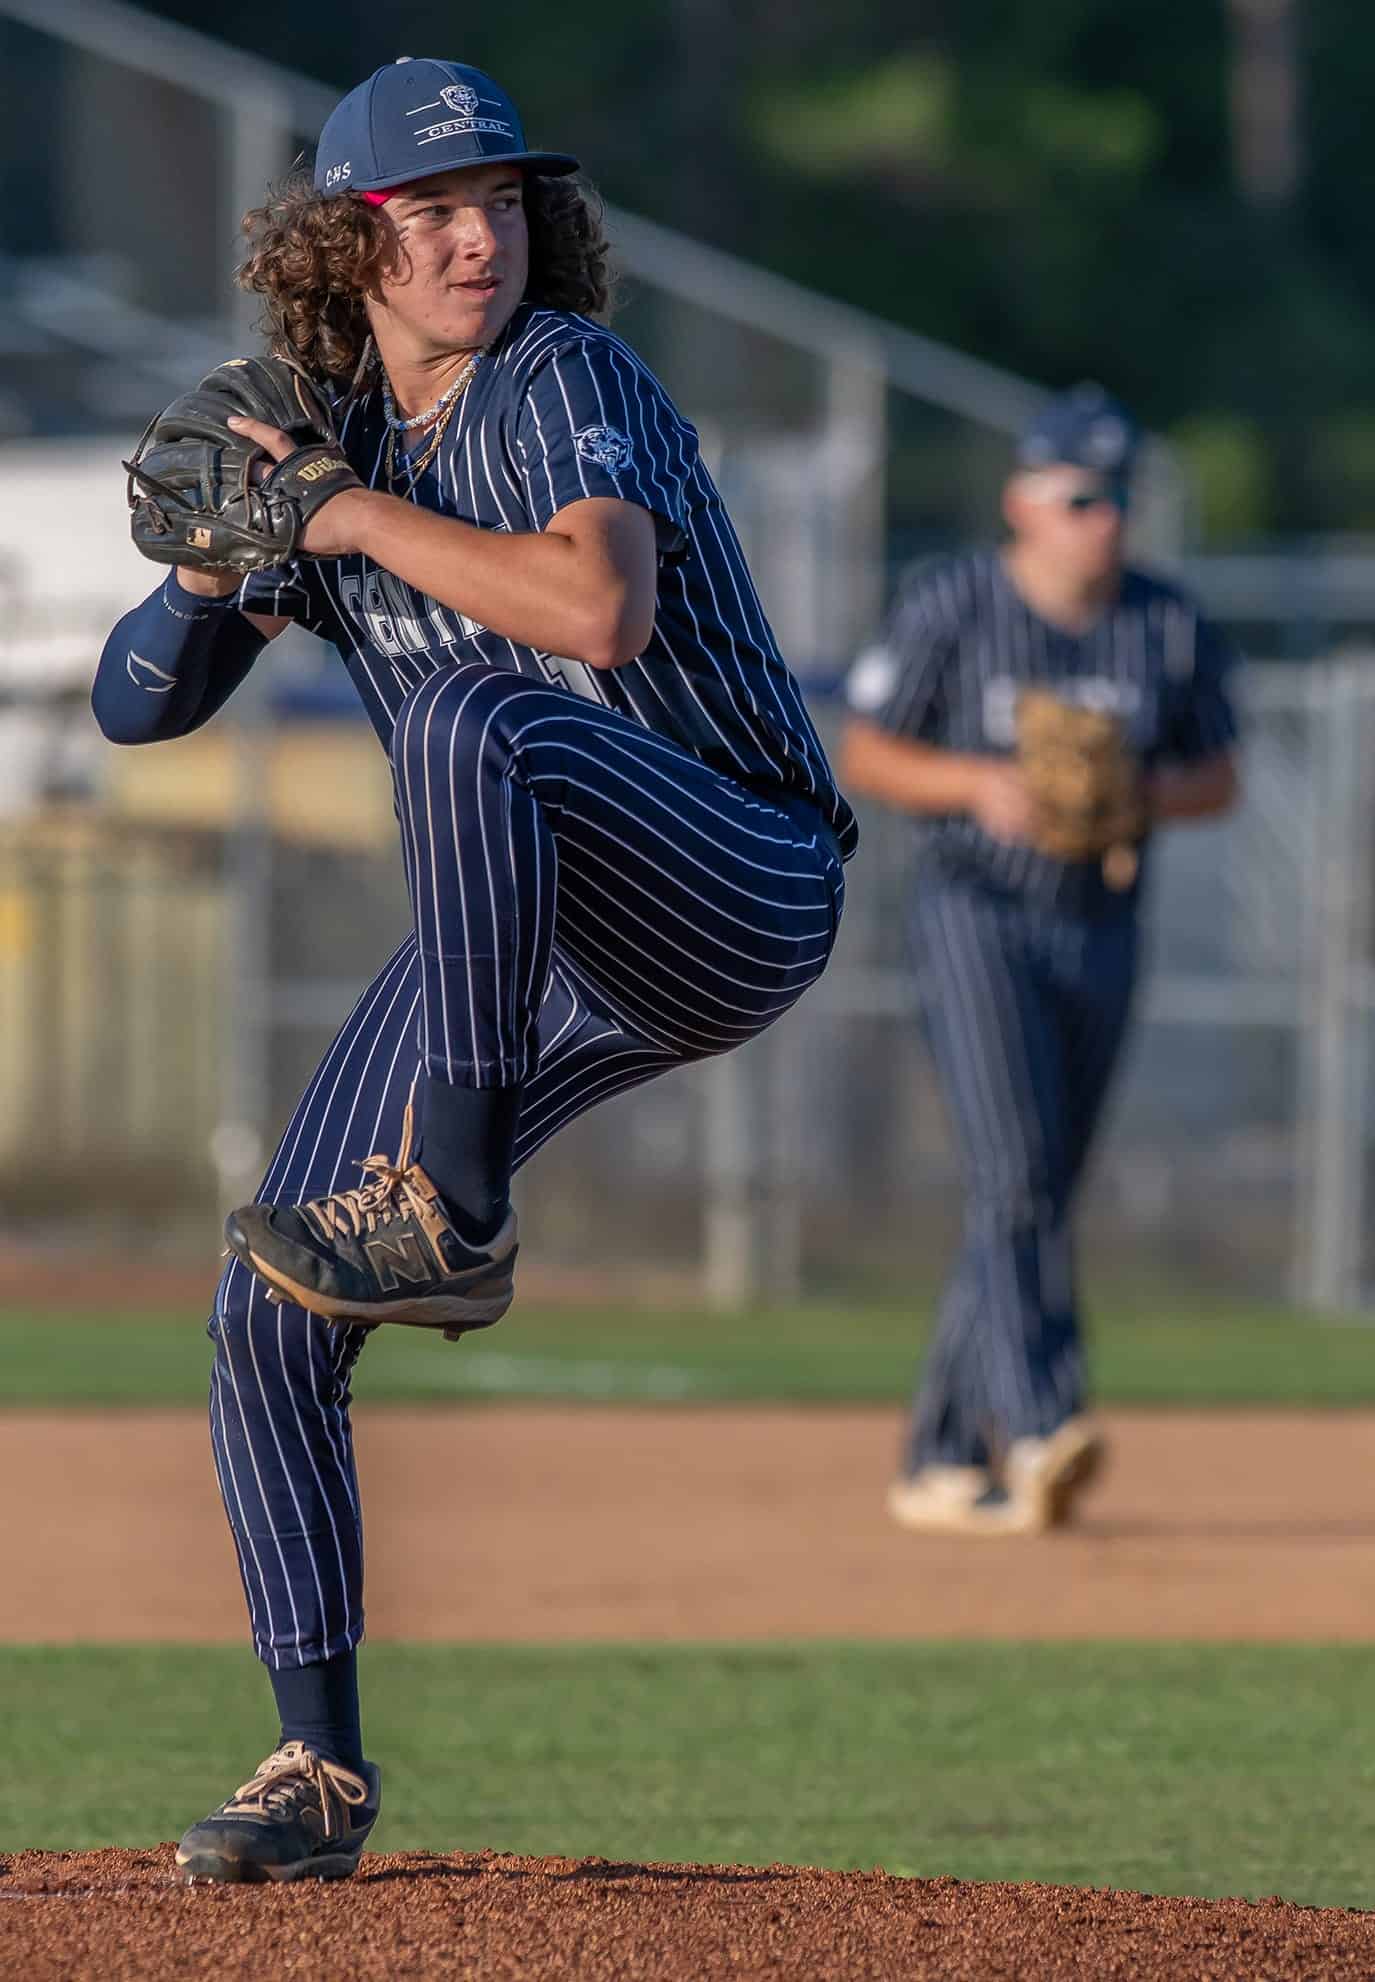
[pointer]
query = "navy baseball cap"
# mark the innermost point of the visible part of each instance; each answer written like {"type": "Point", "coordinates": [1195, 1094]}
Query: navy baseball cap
{"type": "Point", "coordinates": [417, 116]}
{"type": "Point", "coordinates": [1084, 428]}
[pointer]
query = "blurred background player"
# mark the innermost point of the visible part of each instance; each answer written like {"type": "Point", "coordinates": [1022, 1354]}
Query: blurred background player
{"type": "Point", "coordinates": [1026, 960]}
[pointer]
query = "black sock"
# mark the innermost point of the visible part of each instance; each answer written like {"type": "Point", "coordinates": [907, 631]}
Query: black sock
{"type": "Point", "coordinates": [466, 1138]}
{"type": "Point", "coordinates": [318, 1704]}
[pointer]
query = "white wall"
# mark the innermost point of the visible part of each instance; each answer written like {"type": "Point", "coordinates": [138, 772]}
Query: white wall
{"type": "Point", "coordinates": [64, 532]}
{"type": "Point", "coordinates": [67, 572]}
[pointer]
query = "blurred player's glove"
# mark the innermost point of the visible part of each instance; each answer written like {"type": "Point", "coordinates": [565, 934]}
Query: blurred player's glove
{"type": "Point", "coordinates": [209, 499]}
{"type": "Point", "coordinates": [1084, 781]}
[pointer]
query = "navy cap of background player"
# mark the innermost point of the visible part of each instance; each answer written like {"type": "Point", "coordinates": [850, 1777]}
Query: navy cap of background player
{"type": "Point", "coordinates": [1084, 428]}
{"type": "Point", "coordinates": [419, 116]}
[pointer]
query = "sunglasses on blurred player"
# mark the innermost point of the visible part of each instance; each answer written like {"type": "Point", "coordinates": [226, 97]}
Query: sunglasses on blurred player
{"type": "Point", "coordinates": [1084, 500]}
{"type": "Point", "coordinates": [1076, 498]}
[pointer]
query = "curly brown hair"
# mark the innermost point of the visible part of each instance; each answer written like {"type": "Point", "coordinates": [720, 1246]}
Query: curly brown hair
{"type": "Point", "coordinates": [314, 259]}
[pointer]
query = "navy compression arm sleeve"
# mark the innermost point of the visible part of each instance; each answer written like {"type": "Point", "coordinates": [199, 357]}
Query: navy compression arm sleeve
{"type": "Point", "coordinates": [170, 664]}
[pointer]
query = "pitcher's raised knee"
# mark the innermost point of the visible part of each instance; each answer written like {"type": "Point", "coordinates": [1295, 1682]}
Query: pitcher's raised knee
{"type": "Point", "coordinates": [457, 723]}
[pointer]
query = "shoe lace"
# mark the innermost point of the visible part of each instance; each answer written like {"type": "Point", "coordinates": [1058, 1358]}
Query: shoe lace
{"type": "Point", "coordinates": [278, 1783]}
{"type": "Point", "coordinates": [358, 1210]}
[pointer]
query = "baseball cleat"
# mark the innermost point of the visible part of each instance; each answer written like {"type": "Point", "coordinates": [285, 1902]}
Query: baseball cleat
{"type": "Point", "coordinates": [953, 1500]}
{"type": "Point", "coordinates": [300, 1817]}
{"type": "Point", "coordinates": [385, 1251]}
{"type": "Point", "coordinates": [1045, 1476]}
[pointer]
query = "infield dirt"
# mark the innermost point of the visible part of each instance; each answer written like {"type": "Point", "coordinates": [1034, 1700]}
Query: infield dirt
{"type": "Point", "coordinates": [118, 1915]}
{"type": "Point", "coordinates": [548, 1523]}
{"type": "Point", "coordinates": [543, 1523]}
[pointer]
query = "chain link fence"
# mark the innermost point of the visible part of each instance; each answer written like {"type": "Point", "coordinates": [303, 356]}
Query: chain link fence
{"type": "Point", "coordinates": [1238, 1150]}
{"type": "Point", "coordinates": [165, 993]}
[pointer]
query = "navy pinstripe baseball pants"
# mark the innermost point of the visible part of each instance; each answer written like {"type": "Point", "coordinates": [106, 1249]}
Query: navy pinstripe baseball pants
{"type": "Point", "coordinates": [1025, 1010]}
{"type": "Point", "coordinates": [593, 905]}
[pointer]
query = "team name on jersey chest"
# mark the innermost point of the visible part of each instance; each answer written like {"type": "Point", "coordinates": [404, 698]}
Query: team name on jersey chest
{"type": "Point", "coordinates": [1117, 669]}
{"type": "Point", "coordinates": [396, 619]}
{"type": "Point", "coordinates": [1128, 700]}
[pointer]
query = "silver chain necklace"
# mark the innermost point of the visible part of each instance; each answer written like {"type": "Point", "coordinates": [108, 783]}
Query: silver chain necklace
{"type": "Point", "coordinates": [400, 426]}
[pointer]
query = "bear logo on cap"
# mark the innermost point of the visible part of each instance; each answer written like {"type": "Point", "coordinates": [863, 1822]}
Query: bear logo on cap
{"type": "Point", "coordinates": [461, 98]}
{"type": "Point", "coordinates": [1108, 442]}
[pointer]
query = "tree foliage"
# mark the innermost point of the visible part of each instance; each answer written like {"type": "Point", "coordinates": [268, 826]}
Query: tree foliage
{"type": "Point", "coordinates": [1051, 187]}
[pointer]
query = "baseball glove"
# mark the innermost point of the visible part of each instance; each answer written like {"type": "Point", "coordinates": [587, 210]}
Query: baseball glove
{"type": "Point", "coordinates": [209, 499]}
{"type": "Point", "coordinates": [1085, 783]}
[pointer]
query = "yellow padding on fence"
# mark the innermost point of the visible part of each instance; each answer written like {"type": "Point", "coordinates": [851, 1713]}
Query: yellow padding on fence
{"type": "Point", "coordinates": [16, 923]}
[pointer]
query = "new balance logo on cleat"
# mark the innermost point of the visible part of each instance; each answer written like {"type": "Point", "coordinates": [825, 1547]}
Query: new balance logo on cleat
{"type": "Point", "coordinates": [385, 1251]}
{"type": "Point", "coordinates": [395, 1260]}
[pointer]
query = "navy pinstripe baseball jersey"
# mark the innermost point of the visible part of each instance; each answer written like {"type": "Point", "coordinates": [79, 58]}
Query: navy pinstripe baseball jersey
{"type": "Point", "coordinates": [961, 641]}
{"type": "Point", "coordinates": [563, 409]}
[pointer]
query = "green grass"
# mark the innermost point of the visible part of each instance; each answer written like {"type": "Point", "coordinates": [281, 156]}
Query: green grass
{"type": "Point", "coordinates": [1162, 1348]}
{"type": "Point", "coordinates": [1189, 1769]}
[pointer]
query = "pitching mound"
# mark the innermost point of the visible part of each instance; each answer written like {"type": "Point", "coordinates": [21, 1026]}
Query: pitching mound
{"type": "Point", "coordinates": [118, 1915]}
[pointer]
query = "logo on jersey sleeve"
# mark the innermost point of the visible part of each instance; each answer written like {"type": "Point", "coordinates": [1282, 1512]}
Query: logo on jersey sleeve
{"type": "Point", "coordinates": [605, 447]}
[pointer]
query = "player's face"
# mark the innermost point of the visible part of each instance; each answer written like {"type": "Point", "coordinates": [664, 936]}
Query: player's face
{"type": "Point", "coordinates": [1072, 518]}
{"type": "Point", "coordinates": [465, 257]}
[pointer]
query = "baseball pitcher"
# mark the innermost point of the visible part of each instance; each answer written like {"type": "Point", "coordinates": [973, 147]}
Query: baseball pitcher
{"type": "Point", "coordinates": [450, 468]}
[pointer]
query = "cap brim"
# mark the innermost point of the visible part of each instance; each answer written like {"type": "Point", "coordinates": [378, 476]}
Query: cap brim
{"type": "Point", "coordinates": [545, 164]}
{"type": "Point", "coordinates": [1039, 463]}
{"type": "Point", "coordinates": [548, 164]}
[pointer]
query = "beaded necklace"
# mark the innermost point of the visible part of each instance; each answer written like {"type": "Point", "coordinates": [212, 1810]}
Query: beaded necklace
{"type": "Point", "coordinates": [442, 412]}
{"type": "Point", "coordinates": [400, 426]}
